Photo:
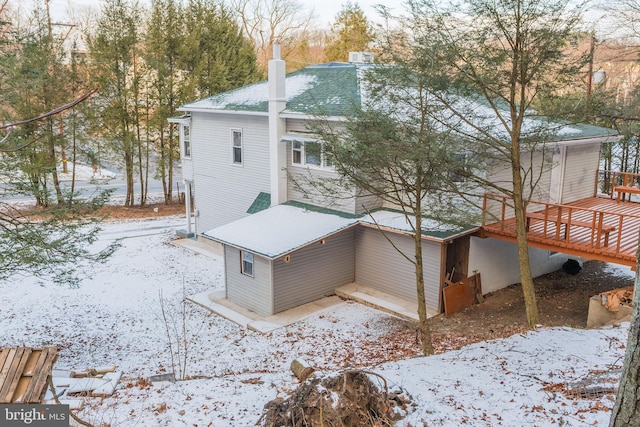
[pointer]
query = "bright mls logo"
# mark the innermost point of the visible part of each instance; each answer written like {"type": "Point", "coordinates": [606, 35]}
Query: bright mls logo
{"type": "Point", "coordinates": [34, 415]}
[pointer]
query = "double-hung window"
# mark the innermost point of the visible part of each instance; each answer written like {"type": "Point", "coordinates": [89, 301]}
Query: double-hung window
{"type": "Point", "coordinates": [246, 263]}
{"type": "Point", "coordinates": [236, 147]}
{"type": "Point", "coordinates": [310, 153]}
{"type": "Point", "coordinates": [186, 141]}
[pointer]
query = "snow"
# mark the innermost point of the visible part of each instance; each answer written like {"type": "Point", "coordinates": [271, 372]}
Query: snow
{"type": "Point", "coordinates": [115, 317]}
{"type": "Point", "coordinates": [275, 231]}
{"type": "Point", "coordinates": [398, 221]}
{"type": "Point", "coordinates": [254, 94]}
{"type": "Point", "coordinates": [84, 173]}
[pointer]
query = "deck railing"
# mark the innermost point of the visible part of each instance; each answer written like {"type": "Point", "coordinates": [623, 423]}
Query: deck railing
{"type": "Point", "coordinates": [608, 180]}
{"type": "Point", "coordinates": [594, 229]}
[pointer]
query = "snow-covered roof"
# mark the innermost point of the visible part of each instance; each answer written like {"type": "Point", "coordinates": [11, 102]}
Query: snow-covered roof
{"type": "Point", "coordinates": [325, 89]}
{"type": "Point", "coordinates": [279, 230]}
{"type": "Point", "coordinates": [395, 220]}
{"type": "Point", "coordinates": [336, 88]}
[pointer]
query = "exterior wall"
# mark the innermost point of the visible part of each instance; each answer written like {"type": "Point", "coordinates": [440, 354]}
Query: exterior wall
{"type": "Point", "coordinates": [497, 262]}
{"type": "Point", "coordinates": [253, 293]}
{"type": "Point", "coordinates": [541, 167]}
{"type": "Point", "coordinates": [365, 203]}
{"type": "Point", "coordinates": [580, 172]}
{"type": "Point", "coordinates": [380, 266]}
{"type": "Point", "coordinates": [297, 125]}
{"type": "Point", "coordinates": [314, 271]}
{"type": "Point", "coordinates": [224, 191]}
{"type": "Point", "coordinates": [299, 192]}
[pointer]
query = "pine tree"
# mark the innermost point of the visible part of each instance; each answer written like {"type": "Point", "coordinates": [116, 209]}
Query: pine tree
{"type": "Point", "coordinates": [115, 57]}
{"type": "Point", "coordinates": [214, 55]}
{"type": "Point", "coordinates": [351, 32]}
{"type": "Point", "coordinates": [53, 240]}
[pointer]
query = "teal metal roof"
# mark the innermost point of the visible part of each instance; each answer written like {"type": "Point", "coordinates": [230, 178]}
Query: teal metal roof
{"type": "Point", "coordinates": [262, 202]}
{"type": "Point", "coordinates": [337, 88]}
{"type": "Point", "coordinates": [327, 89]}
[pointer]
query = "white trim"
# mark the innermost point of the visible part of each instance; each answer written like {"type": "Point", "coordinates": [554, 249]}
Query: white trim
{"type": "Point", "coordinates": [303, 154]}
{"type": "Point", "coordinates": [183, 151]}
{"type": "Point", "coordinates": [232, 133]}
{"type": "Point", "coordinates": [251, 262]}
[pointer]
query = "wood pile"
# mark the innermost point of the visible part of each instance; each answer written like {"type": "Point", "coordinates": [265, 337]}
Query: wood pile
{"type": "Point", "coordinates": [612, 300]}
{"type": "Point", "coordinates": [24, 373]}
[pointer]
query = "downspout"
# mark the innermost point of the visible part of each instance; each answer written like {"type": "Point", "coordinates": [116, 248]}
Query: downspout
{"type": "Point", "coordinates": [277, 151]}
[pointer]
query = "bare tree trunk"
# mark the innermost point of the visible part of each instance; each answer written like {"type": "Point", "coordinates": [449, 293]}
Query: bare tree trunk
{"type": "Point", "coordinates": [53, 163]}
{"type": "Point", "coordinates": [423, 320]}
{"type": "Point", "coordinates": [626, 411]}
{"type": "Point", "coordinates": [526, 278]}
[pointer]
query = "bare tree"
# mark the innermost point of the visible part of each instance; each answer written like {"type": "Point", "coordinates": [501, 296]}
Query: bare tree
{"type": "Point", "coordinates": [269, 22]}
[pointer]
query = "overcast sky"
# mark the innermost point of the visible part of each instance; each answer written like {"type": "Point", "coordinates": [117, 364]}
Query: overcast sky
{"type": "Point", "coordinates": [326, 10]}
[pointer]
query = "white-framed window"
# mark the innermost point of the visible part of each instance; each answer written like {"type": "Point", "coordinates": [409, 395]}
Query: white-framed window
{"type": "Point", "coordinates": [237, 153]}
{"type": "Point", "coordinates": [310, 153]}
{"type": "Point", "coordinates": [186, 140]}
{"type": "Point", "coordinates": [246, 263]}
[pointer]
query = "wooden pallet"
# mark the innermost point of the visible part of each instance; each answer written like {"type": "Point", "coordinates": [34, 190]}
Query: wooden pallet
{"type": "Point", "coordinates": [24, 373]}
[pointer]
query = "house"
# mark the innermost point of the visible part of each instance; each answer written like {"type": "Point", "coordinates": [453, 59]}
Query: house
{"type": "Point", "coordinates": [284, 247]}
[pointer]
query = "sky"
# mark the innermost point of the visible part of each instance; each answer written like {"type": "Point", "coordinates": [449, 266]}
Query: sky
{"type": "Point", "coordinates": [326, 10]}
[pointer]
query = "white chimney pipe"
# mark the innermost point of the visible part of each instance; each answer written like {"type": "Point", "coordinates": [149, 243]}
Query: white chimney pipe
{"type": "Point", "coordinates": [277, 152]}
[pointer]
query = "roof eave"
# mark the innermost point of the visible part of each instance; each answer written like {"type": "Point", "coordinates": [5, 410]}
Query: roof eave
{"type": "Point", "coordinates": [216, 111]}
{"type": "Point", "coordinates": [590, 140]}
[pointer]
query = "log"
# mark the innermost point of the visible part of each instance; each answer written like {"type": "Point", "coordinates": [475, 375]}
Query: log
{"type": "Point", "coordinates": [301, 369]}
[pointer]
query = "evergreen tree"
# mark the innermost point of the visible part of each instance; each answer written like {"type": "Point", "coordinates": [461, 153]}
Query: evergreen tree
{"type": "Point", "coordinates": [53, 240]}
{"type": "Point", "coordinates": [486, 63]}
{"type": "Point", "coordinates": [392, 148]}
{"type": "Point", "coordinates": [350, 33]}
{"type": "Point", "coordinates": [164, 37]}
{"type": "Point", "coordinates": [214, 54]}
{"type": "Point", "coordinates": [115, 56]}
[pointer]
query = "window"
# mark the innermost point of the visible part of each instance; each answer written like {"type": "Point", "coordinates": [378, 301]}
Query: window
{"type": "Point", "coordinates": [236, 141]}
{"type": "Point", "coordinates": [186, 141]}
{"type": "Point", "coordinates": [310, 153]}
{"type": "Point", "coordinates": [246, 266]}
{"type": "Point", "coordinates": [297, 148]}
{"type": "Point", "coordinates": [313, 153]}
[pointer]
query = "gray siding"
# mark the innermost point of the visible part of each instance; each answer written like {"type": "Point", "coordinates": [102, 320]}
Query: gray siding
{"type": "Point", "coordinates": [253, 293]}
{"type": "Point", "coordinates": [314, 271]}
{"type": "Point", "coordinates": [299, 190]}
{"type": "Point", "coordinates": [540, 166]}
{"type": "Point", "coordinates": [367, 202]}
{"type": "Point", "coordinates": [297, 125]}
{"type": "Point", "coordinates": [224, 191]}
{"type": "Point", "coordinates": [380, 266]}
{"type": "Point", "coordinates": [580, 172]}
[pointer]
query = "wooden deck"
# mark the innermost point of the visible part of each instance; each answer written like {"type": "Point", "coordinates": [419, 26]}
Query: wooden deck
{"type": "Point", "coordinates": [600, 228]}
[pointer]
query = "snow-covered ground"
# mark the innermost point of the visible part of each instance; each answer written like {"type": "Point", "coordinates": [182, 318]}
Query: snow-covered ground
{"type": "Point", "coordinates": [115, 317]}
